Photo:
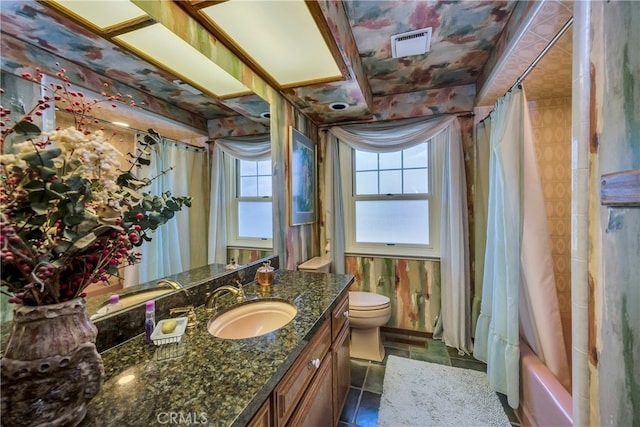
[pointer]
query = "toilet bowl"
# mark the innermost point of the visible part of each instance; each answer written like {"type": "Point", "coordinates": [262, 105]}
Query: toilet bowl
{"type": "Point", "coordinates": [367, 312]}
{"type": "Point", "coordinates": [316, 264]}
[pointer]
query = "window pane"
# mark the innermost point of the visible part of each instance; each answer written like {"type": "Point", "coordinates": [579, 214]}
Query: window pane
{"type": "Point", "coordinates": [416, 181]}
{"type": "Point", "coordinates": [392, 221]}
{"type": "Point", "coordinates": [366, 183]}
{"type": "Point", "coordinates": [416, 157]}
{"type": "Point", "coordinates": [255, 220]}
{"type": "Point", "coordinates": [366, 161]}
{"type": "Point", "coordinates": [264, 186]}
{"type": "Point", "coordinates": [264, 167]}
{"type": "Point", "coordinates": [391, 160]}
{"type": "Point", "coordinates": [248, 187]}
{"type": "Point", "coordinates": [391, 182]}
{"type": "Point", "coordinates": [247, 168]}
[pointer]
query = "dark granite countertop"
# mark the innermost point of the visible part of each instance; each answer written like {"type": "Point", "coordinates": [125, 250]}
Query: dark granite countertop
{"type": "Point", "coordinates": [207, 380]}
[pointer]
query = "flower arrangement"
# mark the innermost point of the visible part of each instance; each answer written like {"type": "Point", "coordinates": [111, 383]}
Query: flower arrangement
{"type": "Point", "coordinates": [69, 216]}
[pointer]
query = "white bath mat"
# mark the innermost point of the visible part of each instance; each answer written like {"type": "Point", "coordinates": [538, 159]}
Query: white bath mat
{"type": "Point", "coordinates": [421, 394]}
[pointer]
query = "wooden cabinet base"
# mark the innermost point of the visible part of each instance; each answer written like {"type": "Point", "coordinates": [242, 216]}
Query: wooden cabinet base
{"type": "Point", "coordinates": [314, 390]}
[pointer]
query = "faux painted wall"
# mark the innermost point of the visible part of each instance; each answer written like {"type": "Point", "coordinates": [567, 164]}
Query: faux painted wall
{"type": "Point", "coordinates": [614, 234]}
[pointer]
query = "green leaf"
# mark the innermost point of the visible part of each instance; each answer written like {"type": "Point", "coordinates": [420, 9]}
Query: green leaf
{"type": "Point", "coordinates": [70, 234]}
{"type": "Point", "coordinates": [59, 187]}
{"type": "Point", "coordinates": [26, 128]}
{"type": "Point", "coordinates": [134, 194]}
{"type": "Point", "coordinates": [39, 208]}
{"type": "Point", "coordinates": [33, 184]}
{"type": "Point", "coordinates": [72, 220]}
{"type": "Point", "coordinates": [84, 241]}
{"type": "Point", "coordinates": [168, 214]}
{"type": "Point", "coordinates": [62, 247]}
{"type": "Point", "coordinates": [76, 182]}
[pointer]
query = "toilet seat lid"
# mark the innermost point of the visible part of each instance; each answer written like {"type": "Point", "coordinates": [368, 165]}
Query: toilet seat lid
{"type": "Point", "coordinates": [367, 301]}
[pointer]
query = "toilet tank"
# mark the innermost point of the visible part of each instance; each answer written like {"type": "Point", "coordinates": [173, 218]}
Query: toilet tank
{"type": "Point", "coordinates": [317, 264]}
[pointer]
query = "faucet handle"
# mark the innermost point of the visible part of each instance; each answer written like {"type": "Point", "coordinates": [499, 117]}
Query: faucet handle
{"type": "Point", "coordinates": [240, 296]}
{"type": "Point", "coordinates": [192, 321]}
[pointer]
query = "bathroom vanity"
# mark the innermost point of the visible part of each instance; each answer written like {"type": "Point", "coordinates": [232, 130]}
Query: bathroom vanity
{"type": "Point", "coordinates": [296, 375]}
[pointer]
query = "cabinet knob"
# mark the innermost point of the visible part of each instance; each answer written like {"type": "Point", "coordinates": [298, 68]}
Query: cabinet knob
{"type": "Point", "coordinates": [315, 363]}
{"type": "Point", "coordinates": [346, 313]}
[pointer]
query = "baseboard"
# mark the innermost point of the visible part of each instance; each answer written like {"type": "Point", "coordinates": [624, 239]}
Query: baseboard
{"type": "Point", "coordinates": [406, 332]}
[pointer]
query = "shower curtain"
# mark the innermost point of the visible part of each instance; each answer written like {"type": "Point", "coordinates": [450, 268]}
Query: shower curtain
{"type": "Point", "coordinates": [481, 200]}
{"type": "Point", "coordinates": [519, 294]}
{"type": "Point", "coordinates": [169, 252]}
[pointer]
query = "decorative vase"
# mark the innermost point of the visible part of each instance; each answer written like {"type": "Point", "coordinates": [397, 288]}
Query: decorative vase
{"type": "Point", "coordinates": [50, 367]}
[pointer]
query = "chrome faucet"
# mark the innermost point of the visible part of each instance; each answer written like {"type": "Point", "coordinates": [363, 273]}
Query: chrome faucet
{"type": "Point", "coordinates": [210, 306]}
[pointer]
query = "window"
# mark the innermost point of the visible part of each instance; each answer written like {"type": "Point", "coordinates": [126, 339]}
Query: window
{"type": "Point", "coordinates": [249, 214]}
{"type": "Point", "coordinates": [391, 206]}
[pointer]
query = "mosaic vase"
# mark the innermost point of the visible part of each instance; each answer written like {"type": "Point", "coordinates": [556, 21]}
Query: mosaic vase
{"type": "Point", "coordinates": [50, 366]}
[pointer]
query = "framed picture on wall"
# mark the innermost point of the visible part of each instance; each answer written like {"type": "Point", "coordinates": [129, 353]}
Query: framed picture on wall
{"type": "Point", "coordinates": [302, 179]}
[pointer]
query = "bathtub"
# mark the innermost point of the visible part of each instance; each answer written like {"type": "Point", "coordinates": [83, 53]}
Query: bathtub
{"type": "Point", "coordinates": [544, 402]}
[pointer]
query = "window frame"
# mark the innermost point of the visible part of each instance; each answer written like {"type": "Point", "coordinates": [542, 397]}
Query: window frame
{"type": "Point", "coordinates": [390, 250]}
{"type": "Point", "coordinates": [232, 177]}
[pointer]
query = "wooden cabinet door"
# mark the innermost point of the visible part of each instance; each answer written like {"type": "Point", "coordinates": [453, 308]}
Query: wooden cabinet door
{"type": "Point", "coordinates": [262, 418]}
{"type": "Point", "coordinates": [291, 388]}
{"type": "Point", "coordinates": [341, 372]}
{"type": "Point", "coordinates": [315, 408]}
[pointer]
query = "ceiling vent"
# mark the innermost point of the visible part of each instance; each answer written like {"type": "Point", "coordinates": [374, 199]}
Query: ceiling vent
{"type": "Point", "coordinates": [414, 42]}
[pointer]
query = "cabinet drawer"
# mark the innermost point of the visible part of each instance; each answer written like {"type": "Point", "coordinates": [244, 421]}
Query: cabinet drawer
{"type": "Point", "coordinates": [293, 385]}
{"type": "Point", "coordinates": [315, 408]}
{"type": "Point", "coordinates": [339, 316]}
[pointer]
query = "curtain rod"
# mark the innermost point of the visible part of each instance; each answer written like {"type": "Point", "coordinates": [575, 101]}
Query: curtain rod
{"type": "Point", "coordinates": [325, 127]}
{"type": "Point", "coordinates": [135, 130]}
{"type": "Point", "coordinates": [552, 42]}
{"type": "Point", "coordinates": [537, 59]}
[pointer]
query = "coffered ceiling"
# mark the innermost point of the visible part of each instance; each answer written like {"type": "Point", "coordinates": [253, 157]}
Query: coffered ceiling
{"type": "Point", "coordinates": [478, 49]}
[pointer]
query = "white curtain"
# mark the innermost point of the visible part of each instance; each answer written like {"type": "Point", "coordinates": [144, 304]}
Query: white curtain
{"type": "Point", "coordinates": [481, 200]}
{"type": "Point", "coordinates": [496, 338]}
{"type": "Point", "coordinates": [334, 212]}
{"type": "Point", "coordinates": [518, 285]}
{"type": "Point", "coordinates": [444, 132]}
{"type": "Point", "coordinates": [244, 148]}
{"type": "Point", "coordinates": [169, 252]}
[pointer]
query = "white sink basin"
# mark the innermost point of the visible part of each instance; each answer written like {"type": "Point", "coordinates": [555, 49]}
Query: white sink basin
{"type": "Point", "coordinates": [252, 319]}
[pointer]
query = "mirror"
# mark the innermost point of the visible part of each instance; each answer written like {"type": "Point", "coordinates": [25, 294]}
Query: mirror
{"type": "Point", "coordinates": [129, 290]}
{"type": "Point", "coordinates": [19, 56]}
{"type": "Point", "coordinates": [100, 306]}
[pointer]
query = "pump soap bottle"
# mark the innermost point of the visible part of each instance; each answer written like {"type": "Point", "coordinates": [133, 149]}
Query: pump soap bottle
{"type": "Point", "coordinates": [149, 320]}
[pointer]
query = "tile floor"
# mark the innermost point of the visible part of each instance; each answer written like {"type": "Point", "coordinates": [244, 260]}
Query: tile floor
{"type": "Point", "coordinates": [363, 402]}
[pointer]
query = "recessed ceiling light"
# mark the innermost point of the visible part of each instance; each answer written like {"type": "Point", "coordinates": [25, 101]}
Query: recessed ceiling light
{"type": "Point", "coordinates": [338, 106]}
{"type": "Point", "coordinates": [265, 115]}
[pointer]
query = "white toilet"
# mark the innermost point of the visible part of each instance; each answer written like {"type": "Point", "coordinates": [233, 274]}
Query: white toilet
{"type": "Point", "coordinates": [367, 312]}
{"type": "Point", "coordinates": [317, 264]}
